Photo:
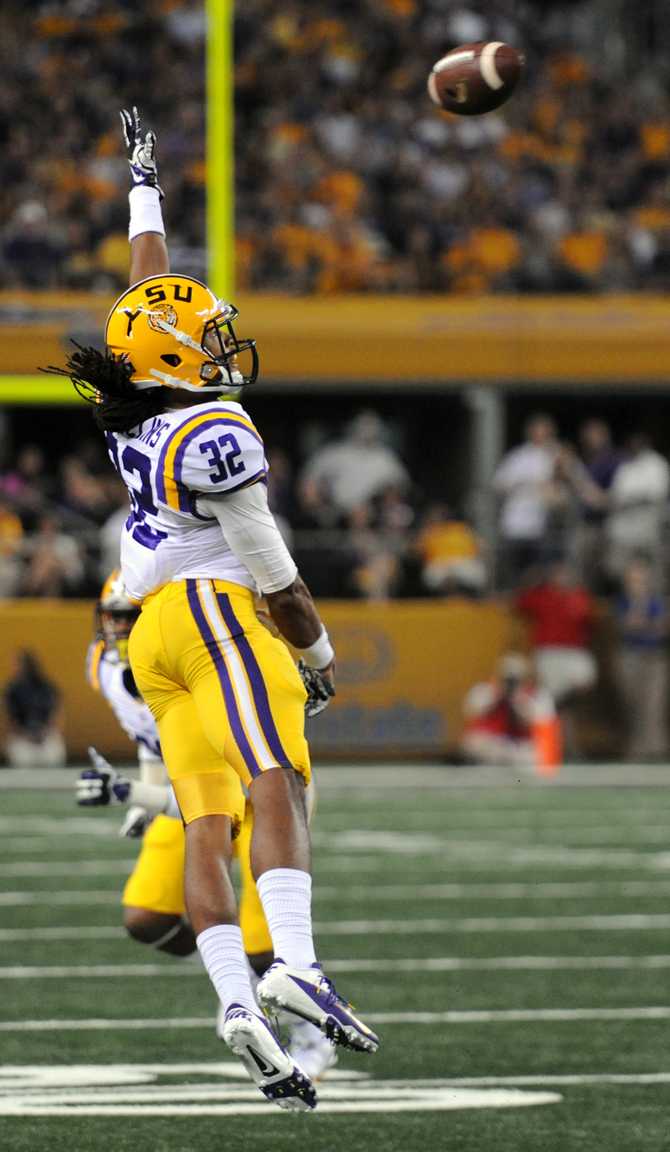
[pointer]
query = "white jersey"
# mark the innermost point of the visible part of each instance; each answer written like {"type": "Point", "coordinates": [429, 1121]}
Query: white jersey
{"type": "Point", "coordinates": [166, 463]}
{"type": "Point", "coordinates": [113, 679]}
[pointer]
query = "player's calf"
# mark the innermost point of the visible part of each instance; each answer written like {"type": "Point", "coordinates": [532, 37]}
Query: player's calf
{"type": "Point", "coordinates": [167, 933]}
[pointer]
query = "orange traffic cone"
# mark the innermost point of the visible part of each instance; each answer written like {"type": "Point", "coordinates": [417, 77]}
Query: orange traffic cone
{"type": "Point", "coordinates": [548, 746]}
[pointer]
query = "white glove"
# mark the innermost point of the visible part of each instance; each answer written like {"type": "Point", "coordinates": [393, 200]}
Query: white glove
{"type": "Point", "coordinates": [136, 823]}
{"type": "Point", "coordinates": [141, 151]}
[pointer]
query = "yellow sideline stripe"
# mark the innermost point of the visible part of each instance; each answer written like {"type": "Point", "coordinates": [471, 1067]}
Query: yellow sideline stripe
{"type": "Point", "coordinates": [37, 390]}
{"type": "Point", "coordinates": [171, 489]}
{"type": "Point", "coordinates": [220, 148]}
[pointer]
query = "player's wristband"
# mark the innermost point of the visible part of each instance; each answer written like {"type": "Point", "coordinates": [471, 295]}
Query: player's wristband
{"type": "Point", "coordinates": [319, 654]}
{"type": "Point", "coordinates": [145, 211]}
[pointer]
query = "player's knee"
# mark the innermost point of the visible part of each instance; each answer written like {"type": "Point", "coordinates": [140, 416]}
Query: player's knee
{"type": "Point", "coordinates": [145, 926]}
{"type": "Point", "coordinates": [168, 933]}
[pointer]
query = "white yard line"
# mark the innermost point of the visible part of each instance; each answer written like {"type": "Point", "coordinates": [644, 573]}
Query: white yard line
{"type": "Point", "coordinates": [658, 962]}
{"type": "Point", "coordinates": [634, 922]}
{"type": "Point", "coordinates": [465, 892]}
{"type": "Point", "coordinates": [348, 776]}
{"type": "Point", "coordinates": [492, 854]}
{"type": "Point", "coordinates": [502, 924]}
{"type": "Point", "coordinates": [496, 856]}
{"type": "Point", "coordinates": [62, 933]}
{"type": "Point", "coordinates": [502, 851]}
{"type": "Point", "coordinates": [67, 826]}
{"type": "Point", "coordinates": [411, 840]}
{"type": "Point", "coordinates": [85, 897]}
{"type": "Point", "coordinates": [511, 1016]}
{"type": "Point", "coordinates": [68, 868]}
{"type": "Point", "coordinates": [444, 846]}
{"type": "Point", "coordinates": [566, 1081]}
{"type": "Point", "coordinates": [521, 1015]}
{"type": "Point", "coordinates": [503, 891]}
{"type": "Point", "coordinates": [22, 845]}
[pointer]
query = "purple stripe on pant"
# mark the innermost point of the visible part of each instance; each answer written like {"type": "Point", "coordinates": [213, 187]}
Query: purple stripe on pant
{"type": "Point", "coordinates": [255, 675]}
{"type": "Point", "coordinates": [224, 679]}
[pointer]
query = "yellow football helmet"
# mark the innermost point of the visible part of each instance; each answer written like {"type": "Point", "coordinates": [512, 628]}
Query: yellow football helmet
{"type": "Point", "coordinates": [115, 615]}
{"type": "Point", "coordinates": [176, 334]}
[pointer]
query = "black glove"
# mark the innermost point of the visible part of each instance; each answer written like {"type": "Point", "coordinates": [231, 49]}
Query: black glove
{"type": "Point", "coordinates": [319, 690]}
{"type": "Point", "coordinates": [141, 151]}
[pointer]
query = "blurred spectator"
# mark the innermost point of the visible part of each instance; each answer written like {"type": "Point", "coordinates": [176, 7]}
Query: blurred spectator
{"type": "Point", "coordinates": [110, 535]}
{"type": "Point", "coordinates": [642, 619]}
{"type": "Point", "coordinates": [31, 252]}
{"type": "Point", "coordinates": [353, 470]}
{"type": "Point", "coordinates": [55, 565]}
{"type": "Point", "coordinates": [450, 554]}
{"type": "Point", "coordinates": [35, 736]}
{"type": "Point", "coordinates": [280, 492]}
{"type": "Point", "coordinates": [28, 485]}
{"type": "Point", "coordinates": [561, 614]}
{"type": "Point", "coordinates": [638, 500]}
{"type": "Point", "coordinates": [523, 481]}
{"type": "Point", "coordinates": [82, 493]}
{"type": "Point", "coordinates": [507, 719]}
{"type": "Point", "coordinates": [601, 461]}
{"type": "Point", "coordinates": [376, 564]}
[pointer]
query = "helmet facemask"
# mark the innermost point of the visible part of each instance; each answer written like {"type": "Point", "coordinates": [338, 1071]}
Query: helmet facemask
{"type": "Point", "coordinates": [115, 629]}
{"type": "Point", "coordinates": [235, 361]}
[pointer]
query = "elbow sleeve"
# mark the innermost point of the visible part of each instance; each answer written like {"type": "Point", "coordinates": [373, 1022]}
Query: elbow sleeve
{"type": "Point", "coordinates": [252, 534]}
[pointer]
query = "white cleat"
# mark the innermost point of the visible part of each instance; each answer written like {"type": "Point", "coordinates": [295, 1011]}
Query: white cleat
{"type": "Point", "coordinates": [311, 1050]}
{"type": "Point", "coordinates": [268, 1064]}
{"type": "Point", "coordinates": [307, 993]}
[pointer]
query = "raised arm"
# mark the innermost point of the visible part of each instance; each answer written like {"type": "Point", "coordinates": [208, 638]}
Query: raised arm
{"type": "Point", "coordinates": [148, 249]}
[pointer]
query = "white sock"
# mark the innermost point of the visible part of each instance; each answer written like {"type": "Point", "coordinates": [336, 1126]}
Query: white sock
{"type": "Point", "coordinates": [223, 956]}
{"type": "Point", "coordinates": [253, 977]}
{"type": "Point", "coordinates": [286, 896]}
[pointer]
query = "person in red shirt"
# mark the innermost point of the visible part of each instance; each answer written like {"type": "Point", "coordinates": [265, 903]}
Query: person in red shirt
{"type": "Point", "coordinates": [560, 614]}
{"type": "Point", "coordinates": [507, 719]}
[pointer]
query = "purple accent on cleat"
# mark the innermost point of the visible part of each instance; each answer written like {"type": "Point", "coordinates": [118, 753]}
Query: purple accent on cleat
{"type": "Point", "coordinates": [339, 1011]}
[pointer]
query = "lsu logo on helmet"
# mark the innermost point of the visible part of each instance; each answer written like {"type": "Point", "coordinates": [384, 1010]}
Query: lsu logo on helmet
{"type": "Point", "coordinates": [176, 333]}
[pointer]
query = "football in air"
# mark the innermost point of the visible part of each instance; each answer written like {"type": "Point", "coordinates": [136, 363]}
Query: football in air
{"type": "Point", "coordinates": [475, 78]}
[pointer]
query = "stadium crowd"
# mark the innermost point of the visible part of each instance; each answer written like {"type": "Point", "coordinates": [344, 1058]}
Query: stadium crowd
{"type": "Point", "coordinates": [348, 179]}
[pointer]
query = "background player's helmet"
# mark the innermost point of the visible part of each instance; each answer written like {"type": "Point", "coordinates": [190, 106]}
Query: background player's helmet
{"type": "Point", "coordinates": [176, 333]}
{"type": "Point", "coordinates": [116, 615]}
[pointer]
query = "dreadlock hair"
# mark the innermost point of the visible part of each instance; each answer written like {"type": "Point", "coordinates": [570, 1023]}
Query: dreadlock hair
{"type": "Point", "coordinates": [103, 379]}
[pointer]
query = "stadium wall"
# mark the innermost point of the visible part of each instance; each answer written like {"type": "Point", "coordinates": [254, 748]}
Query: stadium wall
{"type": "Point", "coordinates": [403, 671]}
{"type": "Point", "coordinates": [373, 341]}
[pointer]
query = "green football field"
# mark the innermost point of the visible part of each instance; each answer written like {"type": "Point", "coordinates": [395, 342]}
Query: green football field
{"type": "Point", "coordinates": [511, 944]}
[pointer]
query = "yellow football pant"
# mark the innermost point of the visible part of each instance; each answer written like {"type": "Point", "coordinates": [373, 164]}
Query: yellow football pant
{"type": "Point", "coordinates": [225, 694]}
{"type": "Point", "coordinates": [157, 880]}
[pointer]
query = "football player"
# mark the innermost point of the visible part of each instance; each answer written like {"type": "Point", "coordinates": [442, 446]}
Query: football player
{"type": "Point", "coordinates": [153, 898]}
{"type": "Point", "coordinates": [227, 698]}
